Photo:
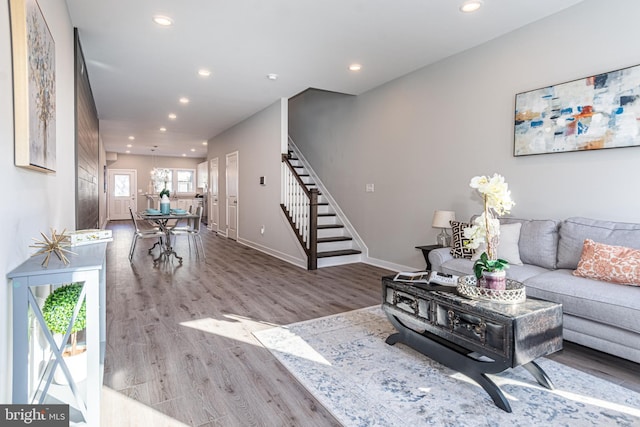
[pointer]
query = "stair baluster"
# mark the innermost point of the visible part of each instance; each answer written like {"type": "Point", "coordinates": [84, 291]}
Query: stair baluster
{"type": "Point", "coordinates": [300, 206]}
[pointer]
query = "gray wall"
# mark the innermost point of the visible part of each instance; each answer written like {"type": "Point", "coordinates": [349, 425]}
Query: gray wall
{"type": "Point", "coordinates": [258, 142]}
{"type": "Point", "coordinates": [421, 138]}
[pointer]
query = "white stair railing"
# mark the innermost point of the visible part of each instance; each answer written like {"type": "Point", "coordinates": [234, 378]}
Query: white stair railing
{"type": "Point", "coordinates": [300, 205]}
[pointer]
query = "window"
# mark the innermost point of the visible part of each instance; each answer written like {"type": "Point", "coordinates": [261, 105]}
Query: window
{"type": "Point", "coordinates": [186, 180]}
{"type": "Point", "coordinates": [183, 180]}
{"type": "Point", "coordinates": [122, 185]}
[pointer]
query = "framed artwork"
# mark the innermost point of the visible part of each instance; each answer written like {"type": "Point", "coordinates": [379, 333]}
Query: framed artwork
{"type": "Point", "coordinates": [597, 112]}
{"type": "Point", "coordinates": [34, 87]}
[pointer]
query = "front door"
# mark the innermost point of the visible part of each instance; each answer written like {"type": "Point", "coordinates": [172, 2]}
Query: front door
{"type": "Point", "coordinates": [232, 195]}
{"type": "Point", "coordinates": [122, 193]}
{"type": "Point", "coordinates": [214, 212]}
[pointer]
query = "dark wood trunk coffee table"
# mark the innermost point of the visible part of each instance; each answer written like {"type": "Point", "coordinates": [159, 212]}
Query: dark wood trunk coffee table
{"type": "Point", "coordinates": [457, 331]}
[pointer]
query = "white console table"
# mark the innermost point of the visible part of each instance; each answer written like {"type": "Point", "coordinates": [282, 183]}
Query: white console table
{"type": "Point", "coordinates": [33, 384]}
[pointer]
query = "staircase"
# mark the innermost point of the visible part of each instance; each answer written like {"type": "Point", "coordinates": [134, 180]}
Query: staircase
{"type": "Point", "coordinates": [335, 243]}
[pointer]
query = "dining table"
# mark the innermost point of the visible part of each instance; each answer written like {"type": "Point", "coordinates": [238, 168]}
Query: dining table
{"type": "Point", "coordinates": [165, 223]}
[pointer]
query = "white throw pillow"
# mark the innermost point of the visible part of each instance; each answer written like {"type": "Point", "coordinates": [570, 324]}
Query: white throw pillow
{"type": "Point", "coordinates": [508, 246]}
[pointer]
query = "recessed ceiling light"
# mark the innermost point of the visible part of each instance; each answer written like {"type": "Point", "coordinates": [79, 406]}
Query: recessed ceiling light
{"type": "Point", "coordinates": [127, 151]}
{"type": "Point", "coordinates": [471, 6]}
{"type": "Point", "coordinates": [204, 143]}
{"type": "Point", "coordinates": [162, 20]}
{"type": "Point", "coordinates": [129, 146]}
{"type": "Point", "coordinates": [272, 76]}
{"type": "Point", "coordinates": [204, 72]}
{"type": "Point", "coordinates": [172, 116]}
{"type": "Point", "coordinates": [193, 150]}
{"type": "Point", "coordinates": [355, 67]}
{"type": "Point", "coordinates": [131, 138]}
{"type": "Point", "coordinates": [184, 155]}
{"type": "Point", "coordinates": [163, 129]}
{"type": "Point", "coordinates": [184, 100]}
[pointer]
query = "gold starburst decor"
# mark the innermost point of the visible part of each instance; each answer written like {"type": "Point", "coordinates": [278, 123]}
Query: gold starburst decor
{"type": "Point", "coordinates": [55, 244]}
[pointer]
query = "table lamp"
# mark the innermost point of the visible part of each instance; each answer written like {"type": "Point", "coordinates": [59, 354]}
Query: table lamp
{"type": "Point", "coordinates": [441, 220]}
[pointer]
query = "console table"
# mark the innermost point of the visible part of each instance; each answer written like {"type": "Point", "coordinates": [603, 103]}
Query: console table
{"type": "Point", "coordinates": [33, 378]}
{"type": "Point", "coordinates": [471, 336]}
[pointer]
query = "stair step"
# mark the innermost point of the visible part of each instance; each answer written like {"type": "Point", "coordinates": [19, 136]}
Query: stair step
{"type": "Point", "coordinates": [325, 226]}
{"type": "Point", "coordinates": [327, 214]}
{"type": "Point", "coordinates": [334, 239]}
{"type": "Point", "coordinates": [338, 253]}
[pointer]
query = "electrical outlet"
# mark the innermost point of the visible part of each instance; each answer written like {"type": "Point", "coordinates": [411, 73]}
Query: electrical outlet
{"type": "Point", "coordinates": [370, 188]}
{"type": "Point", "coordinates": [262, 230]}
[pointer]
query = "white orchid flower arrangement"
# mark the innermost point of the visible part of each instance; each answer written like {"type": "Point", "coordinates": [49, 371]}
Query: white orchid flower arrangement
{"type": "Point", "coordinates": [486, 229]}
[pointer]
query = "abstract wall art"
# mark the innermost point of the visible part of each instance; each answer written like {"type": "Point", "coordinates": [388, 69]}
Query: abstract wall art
{"type": "Point", "coordinates": [34, 87]}
{"type": "Point", "coordinates": [597, 112]}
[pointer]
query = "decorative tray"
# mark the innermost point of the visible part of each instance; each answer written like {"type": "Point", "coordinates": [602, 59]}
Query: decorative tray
{"type": "Point", "coordinates": [514, 294]}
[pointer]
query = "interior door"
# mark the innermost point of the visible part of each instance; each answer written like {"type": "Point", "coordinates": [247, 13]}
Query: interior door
{"type": "Point", "coordinates": [214, 212]}
{"type": "Point", "coordinates": [232, 195]}
{"type": "Point", "coordinates": [122, 193]}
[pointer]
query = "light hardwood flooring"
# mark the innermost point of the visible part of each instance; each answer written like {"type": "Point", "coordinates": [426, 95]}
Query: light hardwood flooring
{"type": "Point", "coordinates": [179, 344]}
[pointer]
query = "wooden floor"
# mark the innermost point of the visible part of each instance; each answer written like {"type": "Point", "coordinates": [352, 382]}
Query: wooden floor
{"type": "Point", "coordinates": [179, 344]}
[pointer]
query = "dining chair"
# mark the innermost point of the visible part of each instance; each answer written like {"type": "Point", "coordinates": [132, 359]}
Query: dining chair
{"type": "Point", "coordinates": [152, 233]}
{"type": "Point", "coordinates": [192, 231]}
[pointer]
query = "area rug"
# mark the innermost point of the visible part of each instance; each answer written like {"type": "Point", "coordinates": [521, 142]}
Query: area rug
{"type": "Point", "coordinates": [344, 362]}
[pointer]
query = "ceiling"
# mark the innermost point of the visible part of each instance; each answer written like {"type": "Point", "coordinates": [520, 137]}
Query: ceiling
{"type": "Point", "coordinates": [139, 70]}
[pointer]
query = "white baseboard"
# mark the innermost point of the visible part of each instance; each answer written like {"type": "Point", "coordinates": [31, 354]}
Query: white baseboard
{"type": "Point", "coordinates": [388, 265]}
{"type": "Point", "coordinates": [302, 263]}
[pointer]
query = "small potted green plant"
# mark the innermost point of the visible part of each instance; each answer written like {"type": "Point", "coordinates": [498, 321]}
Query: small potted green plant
{"type": "Point", "coordinates": [489, 267]}
{"type": "Point", "coordinates": [57, 312]}
{"type": "Point", "coordinates": [165, 191]}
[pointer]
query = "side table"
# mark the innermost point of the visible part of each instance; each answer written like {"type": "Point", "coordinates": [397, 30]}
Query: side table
{"type": "Point", "coordinates": [32, 380]}
{"type": "Point", "coordinates": [425, 253]}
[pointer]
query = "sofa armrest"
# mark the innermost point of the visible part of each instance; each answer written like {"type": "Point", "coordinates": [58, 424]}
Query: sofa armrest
{"type": "Point", "coordinates": [437, 257]}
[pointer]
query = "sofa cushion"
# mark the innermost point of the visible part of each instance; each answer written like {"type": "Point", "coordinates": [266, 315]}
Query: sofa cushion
{"type": "Point", "coordinates": [457, 266]}
{"type": "Point", "coordinates": [538, 243]}
{"type": "Point", "coordinates": [574, 231]}
{"type": "Point", "coordinates": [615, 264]}
{"type": "Point", "coordinates": [464, 267]}
{"type": "Point", "coordinates": [508, 247]}
{"type": "Point", "coordinates": [604, 302]}
{"type": "Point", "coordinates": [459, 249]}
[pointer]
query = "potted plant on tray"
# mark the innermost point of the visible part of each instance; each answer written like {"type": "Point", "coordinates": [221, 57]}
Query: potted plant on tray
{"type": "Point", "coordinates": [496, 199]}
{"type": "Point", "coordinates": [57, 312]}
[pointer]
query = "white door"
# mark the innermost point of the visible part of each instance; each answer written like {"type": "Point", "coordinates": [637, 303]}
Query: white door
{"type": "Point", "coordinates": [232, 195]}
{"type": "Point", "coordinates": [214, 213]}
{"type": "Point", "coordinates": [122, 193]}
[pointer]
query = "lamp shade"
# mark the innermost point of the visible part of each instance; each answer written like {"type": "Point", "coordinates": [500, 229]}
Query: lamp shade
{"type": "Point", "coordinates": [441, 219]}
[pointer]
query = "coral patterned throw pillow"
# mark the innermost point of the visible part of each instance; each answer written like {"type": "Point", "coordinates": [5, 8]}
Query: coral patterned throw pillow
{"type": "Point", "coordinates": [615, 264]}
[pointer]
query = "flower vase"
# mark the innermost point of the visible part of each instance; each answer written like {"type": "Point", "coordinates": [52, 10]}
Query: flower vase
{"type": "Point", "coordinates": [165, 205]}
{"type": "Point", "coordinates": [494, 280]}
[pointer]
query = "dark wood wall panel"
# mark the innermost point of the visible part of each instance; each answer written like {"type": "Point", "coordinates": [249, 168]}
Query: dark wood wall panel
{"type": "Point", "coordinates": [87, 147]}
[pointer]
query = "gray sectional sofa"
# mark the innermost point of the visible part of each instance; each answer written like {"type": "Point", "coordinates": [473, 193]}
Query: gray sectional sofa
{"type": "Point", "coordinates": [601, 315]}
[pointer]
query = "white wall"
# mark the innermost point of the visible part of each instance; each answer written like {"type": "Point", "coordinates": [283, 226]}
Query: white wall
{"type": "Point", "coordinates": [32, 202]}
{"type": "Point", "coordinates": [421, 138]}
{"type": "Point", "coordinates": [144, 164]}
{"type": "Point", "coordinates": [258, 141]}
